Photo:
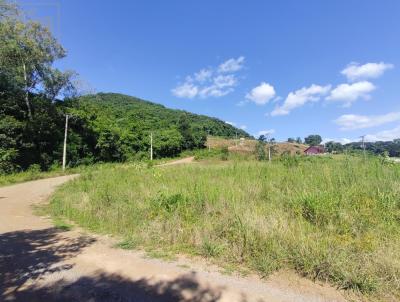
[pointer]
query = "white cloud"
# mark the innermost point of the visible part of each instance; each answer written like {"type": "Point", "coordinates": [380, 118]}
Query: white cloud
{"type": "Point", "coordinates": [203, 75]}
{"type": "Point", "coordinates": [301, 97]}
{"type": "Point", "coordinates": [214, 92]}
{"type": "Point", "coordinates": [261, 94]}
{"type": "Point", "coordinates": [345, 141]}
{"type": "Point", "coordinates": [222, 81]}
{"type": "Point", "coordinates": [221, 85]}
{"type": "Point", "coordinates": [231, 65]}
{"type": "Point", "coordinates": [342, 140]}
{"type": "Point", "coordinates": [241, 103]}
{"type": "Point", "coordinates": [277, 99]}
{"type": "Point", "coordinates": [243, 127]}
{"type": "Point", "coordinates": [266, 132]}
{"type": "Point", "coordinates": [209, 82]}
{"type": "Point", "coordinates": [386, 135]}
{"type": "Point", "coordinates": [186, 90]}
{"type": "Point", "coordinates": [349, 93]}
{"type": "Point", "coordinates": [354, 121]}
{"type": "Point", "coordinates": [355, 71]}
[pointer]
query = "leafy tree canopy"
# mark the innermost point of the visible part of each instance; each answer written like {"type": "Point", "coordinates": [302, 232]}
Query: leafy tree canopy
{"type": "Point", "coordinates": [313, 140]}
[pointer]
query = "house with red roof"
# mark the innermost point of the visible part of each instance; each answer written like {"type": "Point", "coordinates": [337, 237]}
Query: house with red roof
{"type": "Point", "coordinates": [314, 150]}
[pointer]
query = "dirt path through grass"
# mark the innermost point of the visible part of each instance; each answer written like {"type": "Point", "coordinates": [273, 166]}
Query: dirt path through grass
{"type": "Point", "coordinates": [41, 263]}
{"type": "Point", "coordinates": [186, 160]}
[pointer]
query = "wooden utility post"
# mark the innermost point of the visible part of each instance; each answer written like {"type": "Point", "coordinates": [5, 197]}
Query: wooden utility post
{"type": "Point", "coordinates": [363, 144]}
{"type": "Point", "coordinates": [208, 141]}
{"type": "Point", "coordinates": [269, 151]}
{"type": "Point", "coordinates": [64, 160]}
{"type": "Point", "coordinates": [236, 139]}
{"type": "Point", "coordinates": [269, 146]}
{"type": "Point", "coordinates": [151, 145]}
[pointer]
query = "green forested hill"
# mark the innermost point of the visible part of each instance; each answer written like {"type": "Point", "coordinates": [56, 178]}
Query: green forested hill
{"type": "Point", "coordinates": [127, 111]}
{"type": "Point", "coordinates": [103, 127]}
{"type": "Point", "coordinates": [117, 128]}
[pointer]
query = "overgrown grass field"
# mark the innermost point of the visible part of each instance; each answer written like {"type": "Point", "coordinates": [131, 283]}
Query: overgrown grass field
{"type": "Point", "coordinates": [328, 219]}
{"type": "Point", "coordinates": [34, 172]}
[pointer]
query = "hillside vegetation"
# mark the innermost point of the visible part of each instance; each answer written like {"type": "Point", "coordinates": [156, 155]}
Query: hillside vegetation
{"type": "Point", "coordinates": [121, 125]}
{"type": "Point", "coordinates": [334, 219]}
{"type": "Point", "coordinates": [102, 127]}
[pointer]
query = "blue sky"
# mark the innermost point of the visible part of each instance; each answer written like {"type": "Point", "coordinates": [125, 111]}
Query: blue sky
{"type": "Point", "coordinates": [289, 67]}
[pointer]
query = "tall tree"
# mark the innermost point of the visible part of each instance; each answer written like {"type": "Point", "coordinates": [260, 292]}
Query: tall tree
{"type": "Point", "coordinates": [333, 147]}
{"type": "Point", "coordinates": [186, 131]}
{"type": "Point", "coordinates": [56, 82]}
{"type": "Point", "coordinates": [260, 147]}
{"type": "Point", "coordinates": [313, 140]}
{"type": "Point", "coordinates": [27, 53]}
{"type": "Point", "coordinates": [29, 85]}
{"type": "Point", "coordinates": [262, 138]}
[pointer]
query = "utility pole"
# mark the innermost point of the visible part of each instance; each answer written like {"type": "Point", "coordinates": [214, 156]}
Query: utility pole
{"type": "Point", "coordinates": [237, 142]}
{"type": "Point", "coordinates": [151, 145]}
{"type": "Point", "coordinates": [269, 147]}
{"type": "Point", "coordinates": [208, 141]}
{"type": "Point", "coordinates": [64, 160]}
{"type": "Point", "coordinates": [269, 151]}
{"type": "Point", "coordinates": [363, 144]}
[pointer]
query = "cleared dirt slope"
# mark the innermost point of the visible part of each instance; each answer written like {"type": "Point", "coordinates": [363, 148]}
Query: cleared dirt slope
{"type": "Point", "coordinates": [248, 145]}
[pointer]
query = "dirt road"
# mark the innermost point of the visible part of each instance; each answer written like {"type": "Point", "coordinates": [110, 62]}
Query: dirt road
{"type": "Point", "coordinates": [186, 160]}
{"type": "Point", "coordinates": [41, 263]}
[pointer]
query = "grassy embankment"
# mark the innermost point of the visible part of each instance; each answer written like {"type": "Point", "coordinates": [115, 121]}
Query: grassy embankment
{"type": "Point", "coordinates": [328, 219]}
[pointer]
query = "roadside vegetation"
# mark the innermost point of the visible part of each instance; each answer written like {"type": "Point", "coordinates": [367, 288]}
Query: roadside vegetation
{"type": "Point", "coordinates": [332, 219]}
{"type": "Point", "coordinates": [32, 173]}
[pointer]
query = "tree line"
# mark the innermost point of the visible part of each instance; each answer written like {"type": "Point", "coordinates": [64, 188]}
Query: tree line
{"type": "Point", "coordinates": [386, 148]}
{"type": "Point", "coordinates": [389, 148]}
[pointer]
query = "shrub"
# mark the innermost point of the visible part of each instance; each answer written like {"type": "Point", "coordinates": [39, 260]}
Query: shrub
{"type": "Point", "coordinates": [224, 153]}
{"type": "Point", "coordinates": [289, 160]}
{"type": "Point", "coordinates": [34, 169]}
{"type": "Point", "coordinates": [7, 160]}
{"type": "Point", "coordinates": [260, 150]}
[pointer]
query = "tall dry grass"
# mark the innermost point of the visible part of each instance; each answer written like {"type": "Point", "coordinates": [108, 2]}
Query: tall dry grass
{"type": "Point", "coordinates": [329, 219]}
